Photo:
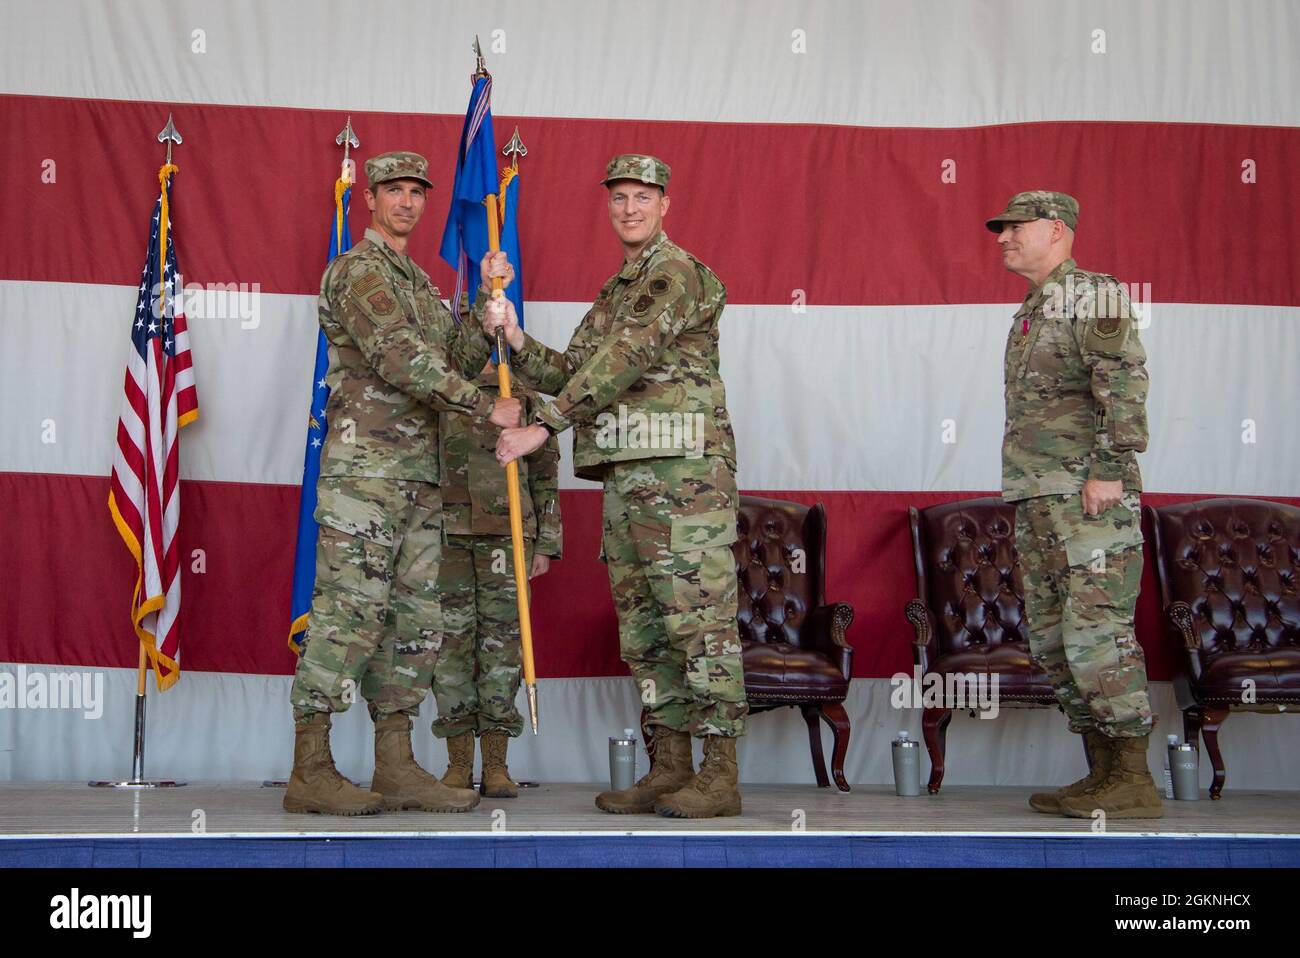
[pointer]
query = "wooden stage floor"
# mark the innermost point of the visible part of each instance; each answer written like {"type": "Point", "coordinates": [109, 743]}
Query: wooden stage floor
{"type": "Point", "coordinates": [59, 810]}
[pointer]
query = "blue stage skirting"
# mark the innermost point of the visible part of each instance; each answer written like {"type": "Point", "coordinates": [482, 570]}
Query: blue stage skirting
{"type": "Point", "coordinates": [735, 851]}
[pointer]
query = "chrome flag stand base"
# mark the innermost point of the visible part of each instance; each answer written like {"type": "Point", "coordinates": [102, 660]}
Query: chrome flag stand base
{"type": "Point", "coordinates": [478, 783]}
{"type": "Point", "coordinates": [133, 784]}
{"type": "Point", "coordinates": [137, 779]}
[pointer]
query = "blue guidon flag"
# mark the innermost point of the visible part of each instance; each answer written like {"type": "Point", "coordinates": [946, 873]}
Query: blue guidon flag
{"type": "Point", "coordinates": [465, 237]}
{"type": "Point", "coordinates": [304, 558]}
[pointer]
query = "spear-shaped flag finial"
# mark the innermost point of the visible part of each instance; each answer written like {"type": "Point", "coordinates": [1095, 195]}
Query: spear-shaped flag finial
{"type": "Point", "coordinates": [347, 139]}
{"type": "Point", "coordinates": [169, 135]}
{"type": "Point", "coordinates": [480, 69]}
{"type": "Point", "coordinates": [515, 149]}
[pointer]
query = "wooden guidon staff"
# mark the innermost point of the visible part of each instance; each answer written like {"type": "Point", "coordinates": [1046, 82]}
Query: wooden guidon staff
{"type": "Point", "coordinates": [512, 480]}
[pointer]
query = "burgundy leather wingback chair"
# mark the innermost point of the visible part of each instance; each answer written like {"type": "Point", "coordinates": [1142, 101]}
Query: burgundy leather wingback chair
{"type": "Point", "coordinates": [1228, 571]}
{"type": "Point", "coordinates": [794, 649]}
{"type": "Point", "coordinates": [969, 614]}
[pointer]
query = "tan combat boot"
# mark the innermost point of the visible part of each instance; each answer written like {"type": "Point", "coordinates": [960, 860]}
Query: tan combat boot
{"type": "Point", "coordinates": [401, 782]}
{"type": "Point", "coordinates": [714, 791]}
{"type": "Point", "coordinates": [1127, 792]}
{"type": "Point", "coordinates": [316, 785]}
{"type": "Point", "coordinates": [1098, 748]}
{"type": "Point", "coordinates": [460, 761]}
{"type": "Point", "coordinates": [671, 770]}
{"type": "Point", "coordinates": [496, 776]}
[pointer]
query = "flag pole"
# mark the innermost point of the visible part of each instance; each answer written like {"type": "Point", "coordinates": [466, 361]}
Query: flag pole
{"type": "Point", "coordinates": [169, 135]}
{"type": "Point", "coordinates": [495, 204]}
{"type": "Point", "coordinates": [141, 691]}
{"type": "Point", "coordinates": [512, 491]}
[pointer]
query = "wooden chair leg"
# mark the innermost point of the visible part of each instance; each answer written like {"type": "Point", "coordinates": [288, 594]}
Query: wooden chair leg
{"type": "Point", "coordinates": [1212, 719]}
{"type": "Point", "coordinates": [934, 726]}
{"type": "Point", "coordinates": [838, 720]}
{"type": "Point", "coordinates": [811, 715]}
{"type": "Point", "coordinates": [1192, 720]}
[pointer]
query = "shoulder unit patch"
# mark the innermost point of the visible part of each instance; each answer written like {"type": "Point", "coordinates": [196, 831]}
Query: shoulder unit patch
{"type": "Point", "coordinates": [1106, 326]}
{"type": "Point", "coordinates": [381, 302]}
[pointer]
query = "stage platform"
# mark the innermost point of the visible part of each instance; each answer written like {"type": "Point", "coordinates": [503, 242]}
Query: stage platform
{"type": "Point", "coordinates": [224, 824]}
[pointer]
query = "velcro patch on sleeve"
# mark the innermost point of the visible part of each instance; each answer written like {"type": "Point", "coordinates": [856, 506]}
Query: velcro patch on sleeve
{"type": "Point", "coordinates": [367, 283]}
{"type": "Point", "coordinates": [381, 302]}
{"type": "Point", "coordinates": [1106, 327]}
{"type": "Point", "coordinates": [1109, 320]}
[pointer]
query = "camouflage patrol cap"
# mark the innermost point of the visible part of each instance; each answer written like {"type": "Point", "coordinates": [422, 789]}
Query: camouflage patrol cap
{"type": "Point", "coordinates": [1037, 205]}
{"type": "Point", "coordinates": [638, 166]}
{"type": "Point", "coordinates": [398, 165]}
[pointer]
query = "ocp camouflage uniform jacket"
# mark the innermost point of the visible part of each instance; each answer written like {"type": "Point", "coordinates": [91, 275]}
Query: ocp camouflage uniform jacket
{"type": "Point", "coordinates": [1076, 387]}
{"type": "Point", "coordinates": [474, 498]}
{"type": "Point", "coordinates": [646, 352]}
{"type": "Point", "coordinates": [396, 358]}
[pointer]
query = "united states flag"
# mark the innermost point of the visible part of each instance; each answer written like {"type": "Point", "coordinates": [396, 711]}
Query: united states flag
{"type": "Point", "coordinates": [159, 398]}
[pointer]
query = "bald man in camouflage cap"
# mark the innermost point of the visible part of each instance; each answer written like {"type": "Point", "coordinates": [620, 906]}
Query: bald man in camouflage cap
{"type": "Point", "coordinates": [639, 384]}
{"type": "Point", "coordinates": [1076, 388]}
{"type": "Point", "coordinates": [396, 359]}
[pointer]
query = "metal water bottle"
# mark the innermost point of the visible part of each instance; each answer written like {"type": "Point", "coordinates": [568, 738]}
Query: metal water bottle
{"type": "Point", "coordinates": [622, 761]}
{"type": "Point", "coordinates": [1185, 771]}
{"type": "Point", "coordinates": [1171, 743]}
{"type": "Point", "coordinates": [907, 765]}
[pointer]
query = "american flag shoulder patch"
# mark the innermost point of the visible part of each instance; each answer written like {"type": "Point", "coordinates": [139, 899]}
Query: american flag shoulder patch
{"type": "Point", "coordinates": [366, 283]}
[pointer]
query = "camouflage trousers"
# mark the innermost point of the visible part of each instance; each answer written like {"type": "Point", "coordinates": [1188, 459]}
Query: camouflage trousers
{"type": "Point", "coordinates": [376, 623]}
{"type": "Point", "coordinates": [668, 529]}
{"type": "Point", "coordinates": [1081, 577]}
{"type": "Point", "coordinates": [477, 676]}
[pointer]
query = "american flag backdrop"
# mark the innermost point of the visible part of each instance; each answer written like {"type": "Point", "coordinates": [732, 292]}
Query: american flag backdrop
{"type": "Point", "coordinates": [159, 397]}
{"type": "Point", "coordinates": [833, 161]}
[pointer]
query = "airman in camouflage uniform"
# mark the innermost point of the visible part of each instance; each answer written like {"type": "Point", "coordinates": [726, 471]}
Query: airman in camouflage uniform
{"type": "Point", "coordinates": [640, 385]}
{"type": "Point", "coordinates": [396, 358]}
{"type": "Point", "coordinates": [1076, 389]}
{"type": "Point", "coordinates": [479, 668]}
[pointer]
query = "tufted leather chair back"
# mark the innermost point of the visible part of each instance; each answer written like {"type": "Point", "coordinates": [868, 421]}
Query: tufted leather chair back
{"type": "Point", "coordinates": [968, 574]}
{"type": "Point", "coordinates": [1235, 563]}
{"type": "Point", "coordinates": [780, 555]}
